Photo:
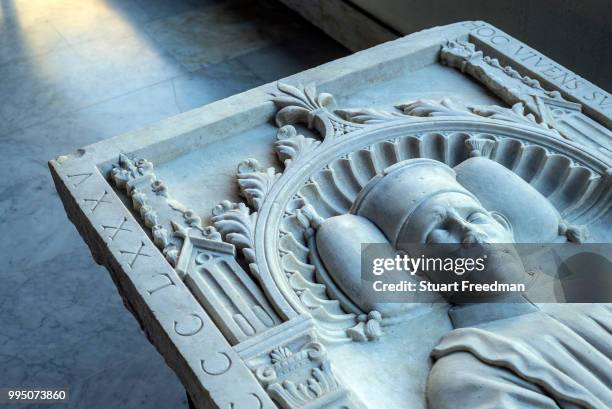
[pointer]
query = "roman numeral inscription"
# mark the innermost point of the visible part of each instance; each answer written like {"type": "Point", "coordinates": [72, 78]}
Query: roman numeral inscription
{"type": "Point", "coordinates": [168, 282]}
{"type": "Point", "coordinates": [96, 202]}
{"type": "Point", "coordinates": [224, 365]}
{"type": "Point", "coordinates": [116, 229]}
{"type": "Point", "coordinates": [79, 178]}
{"type": "Point", "coordinates": [187, 329]}
{"type": "Point", "coordinates": [598, 101]}
{"type": "Point", "coordinates": [135, 254]}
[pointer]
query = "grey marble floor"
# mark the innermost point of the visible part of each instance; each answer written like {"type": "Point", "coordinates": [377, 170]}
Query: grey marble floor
{"type": "Point", "coordinates": [73, 72]}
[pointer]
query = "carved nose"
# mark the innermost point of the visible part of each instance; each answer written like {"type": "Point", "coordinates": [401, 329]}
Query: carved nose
{"type": "Point", "coordinates": [468, 232]}
{"type": "Point", "coordinates": [460, 223]}
{"type": "Point", "coordinates": [474, 237]}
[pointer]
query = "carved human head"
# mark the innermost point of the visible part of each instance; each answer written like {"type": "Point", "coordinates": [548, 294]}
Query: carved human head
{"type": "Point", "coordinates": [420, 201]}
{"type": "Point", "coordinates": [420, 206]}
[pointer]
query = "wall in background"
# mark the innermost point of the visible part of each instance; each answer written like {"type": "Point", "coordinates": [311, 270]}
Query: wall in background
{"type": "Point", "coordinates": [576, 34]}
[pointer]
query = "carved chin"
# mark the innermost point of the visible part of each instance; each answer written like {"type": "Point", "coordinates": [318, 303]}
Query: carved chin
{"type": "Point", "coordinates": [503, 265]}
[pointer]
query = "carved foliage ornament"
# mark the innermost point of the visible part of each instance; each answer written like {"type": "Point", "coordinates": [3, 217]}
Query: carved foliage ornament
{"type": "Point", "coordinates": [548, 108]}
{"type": "Point", "coordinates": [151, 199]}
{"type": "Point", "coordinates": [355, 145]}
{"type": "Point", "coordinates": [295, 379]}
{"type": "Point", "coordinates": [323, 169]}
{"type": "Point", "coordinates": [346, 165]}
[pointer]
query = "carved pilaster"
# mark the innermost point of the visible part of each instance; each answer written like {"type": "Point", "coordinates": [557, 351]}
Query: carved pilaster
{"type": "Point", "coordinates": [220, 284]}
{"type": "Point", "coordinates": [205, 263]}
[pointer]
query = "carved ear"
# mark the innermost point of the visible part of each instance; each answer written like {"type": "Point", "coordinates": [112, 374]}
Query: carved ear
{"type": "Point", "coordinates": [503, 220]}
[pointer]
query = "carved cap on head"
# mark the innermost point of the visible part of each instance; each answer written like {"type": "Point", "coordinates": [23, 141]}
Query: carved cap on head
{"type": "Point", "coordinates": [391, 198]}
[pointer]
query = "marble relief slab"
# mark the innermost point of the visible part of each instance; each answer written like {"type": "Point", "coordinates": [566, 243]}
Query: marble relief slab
{"type": "Point", "coordinates": [211, 222]}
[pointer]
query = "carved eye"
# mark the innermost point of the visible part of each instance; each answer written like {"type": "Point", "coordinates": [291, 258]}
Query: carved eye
{"type": "Point", "coordinates": [479, 218]}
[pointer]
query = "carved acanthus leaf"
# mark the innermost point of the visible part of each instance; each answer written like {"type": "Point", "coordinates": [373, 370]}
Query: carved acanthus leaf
{"type": "Point", "coordinates": [446, 107]}
{"type": "Point", "coordinates": [280, 354]}
{"type": "Point", "coordinates": [515, 114]}
{"type": "Point", "coordinates": [302, 104]}
{"type": "Point", "coordinates": [290, 145]}
{"type": "Point", "coordinates": [255, 181]}
{"type": "Point", "coordinates": [367, 115]}
{"type": "Point", "coordinates": [236, 224]}
{"type": "Point", "coordinates": [430, 108]}
{"type": "Point", "coordinates": [304, 97]}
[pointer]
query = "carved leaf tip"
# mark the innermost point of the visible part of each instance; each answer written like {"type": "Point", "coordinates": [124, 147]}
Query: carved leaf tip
{"type": "Point", "coordinates": [235, 223]}
{"type": "Point", "coordinates": [302, 96]}
{"type": "Point", "coordinates": [516, 114]}
{"type": "Point", "coordinates": [367, 115]}
{"type": "Point", "coordinates": [301, 104]}
{"type": "Point", "coordinates": [255, 181]}
{"type": "Point", "coordinates": [290, 145]}
{"type": "Point", "coordinates": [431, 108]}
{"type": "Point", "coordinates": [280, 354]}
{"type": "Point", "coordinates": [286, 132]}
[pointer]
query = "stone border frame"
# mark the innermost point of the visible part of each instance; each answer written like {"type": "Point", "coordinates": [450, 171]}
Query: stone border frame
{"type": "Point", "coordinates": [171, 317]}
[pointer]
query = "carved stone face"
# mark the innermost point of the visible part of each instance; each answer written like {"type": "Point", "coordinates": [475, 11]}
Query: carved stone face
{"type": "Point", "coordinates": [457, 218]}
{"type": "Point", "coordinates": [453, 218]}
{"type": "Point", "coordinates": [420, 202]}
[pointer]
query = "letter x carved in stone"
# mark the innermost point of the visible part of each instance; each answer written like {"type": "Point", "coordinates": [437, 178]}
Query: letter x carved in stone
{"type": "Point", "coordinates": [136, 254]}
{"type": "Point", "coordinates": [97, 202]}
{"type": "Point", "coordinates": [116, 229]}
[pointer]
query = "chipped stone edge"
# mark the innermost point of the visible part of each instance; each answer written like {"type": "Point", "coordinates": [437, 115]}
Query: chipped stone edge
{"type": "Point", "coordinates": [184, 334]}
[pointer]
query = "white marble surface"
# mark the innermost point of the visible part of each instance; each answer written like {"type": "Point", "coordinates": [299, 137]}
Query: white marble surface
{"type": "Point", "coordinates": [194, 155]}
{"type": "Point", "coordinates": [73, 73]}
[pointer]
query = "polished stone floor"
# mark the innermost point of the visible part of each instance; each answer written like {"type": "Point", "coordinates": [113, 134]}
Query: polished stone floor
{"type": "Point", "coordinates": [73, 72]}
